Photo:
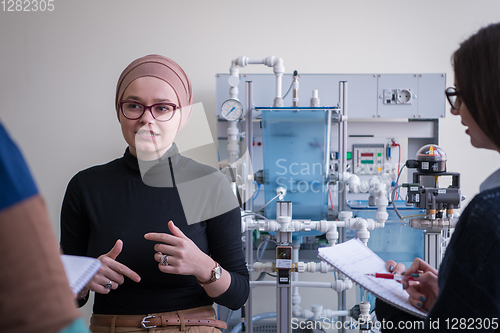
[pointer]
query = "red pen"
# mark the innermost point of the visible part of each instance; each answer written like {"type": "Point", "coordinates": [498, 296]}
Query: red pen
{"type": "Point", "coordinates": [391, 276]}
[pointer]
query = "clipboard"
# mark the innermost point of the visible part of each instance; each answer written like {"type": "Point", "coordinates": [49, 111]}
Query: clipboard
{"type": "Point", "coordinates": [355, 260]}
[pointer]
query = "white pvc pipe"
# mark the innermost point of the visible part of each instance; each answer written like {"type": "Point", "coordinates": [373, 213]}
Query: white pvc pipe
{"type": "Point", "coordinates": [262, 283]}
{"type": "Point", "coordinates": [279, 80]}
{"type": "Point", "coordinates": [326, 313]}
{"type": "Point", "coordinates": [345, 220]}
{"type": "Point", "coordinates": [312, 284]}
{"type": "Point", "coordinates": [256, 62]}
{"type": "Point", "coordinates": [304, 284]}
{"type": "Point", "coordinates": [295, 275]}
{"type": "Point", "coordinates": [311, 267]}
{"type": "Point", "coordinates": [233, 147]}
{"type": "Point", "coordinates": [242, 61]}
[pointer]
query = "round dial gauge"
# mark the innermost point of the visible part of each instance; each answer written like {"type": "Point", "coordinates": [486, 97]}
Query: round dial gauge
{"type": "Point", "coordinates": [231, 109]}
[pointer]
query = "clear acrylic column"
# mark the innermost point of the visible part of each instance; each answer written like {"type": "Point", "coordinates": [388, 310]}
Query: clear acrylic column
{"type": "Point", "coordinates": [295, 148]}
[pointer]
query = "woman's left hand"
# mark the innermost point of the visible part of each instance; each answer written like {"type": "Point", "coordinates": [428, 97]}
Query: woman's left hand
{"type": "Point", "coordinates": [182, 255]}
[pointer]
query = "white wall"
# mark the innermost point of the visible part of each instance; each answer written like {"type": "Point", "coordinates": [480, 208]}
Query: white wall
{"type": "Point", "coordinates": [58, 70]}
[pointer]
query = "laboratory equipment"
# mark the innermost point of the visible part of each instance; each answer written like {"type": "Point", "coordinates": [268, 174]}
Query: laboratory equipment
{"type": "Point", "coordinates": [438, 202]}
{"type": "Point", "coordinates": [431, 161]}
{"type": "Point", "coordinates": [336, 162]}
{"type": "Point", "coordinates": [232, 110]}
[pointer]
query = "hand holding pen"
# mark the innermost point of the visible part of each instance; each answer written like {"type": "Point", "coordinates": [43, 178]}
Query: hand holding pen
{"type": "Point", "coordinates": [423, 289]}
{"type": "Point", "coordinates": [397, 277]}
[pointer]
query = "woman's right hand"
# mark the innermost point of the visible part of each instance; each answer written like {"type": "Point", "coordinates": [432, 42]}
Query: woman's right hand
{"type": "Point", "coordinates": [111, 272]}
{"type": "Point", "coordinates": [422, 294]}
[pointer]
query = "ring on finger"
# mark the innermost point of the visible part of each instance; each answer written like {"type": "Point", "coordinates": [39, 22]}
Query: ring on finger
{"type": "Point", "coordinates": [164, 260]}
{"type": "Point", "coordinates": [109, 285]}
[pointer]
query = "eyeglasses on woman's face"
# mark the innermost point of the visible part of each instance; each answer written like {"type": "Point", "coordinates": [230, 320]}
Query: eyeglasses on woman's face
{"type": "Point", "coordinates": [453, 96]}
{"type": "Point", "coordinates": [134, 110]}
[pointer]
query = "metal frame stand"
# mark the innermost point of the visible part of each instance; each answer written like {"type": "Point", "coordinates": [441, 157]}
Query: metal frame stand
{"type": "Point", "coordinates": [433, 249]}
{"type": "Point", "coordinates": [342, 304]}
{"type": "Point", "coordinates": [284, 279]}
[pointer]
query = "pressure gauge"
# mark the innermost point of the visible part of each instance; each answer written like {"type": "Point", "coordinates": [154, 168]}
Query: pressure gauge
{"type": "Point", "coordinates": [231, 109]}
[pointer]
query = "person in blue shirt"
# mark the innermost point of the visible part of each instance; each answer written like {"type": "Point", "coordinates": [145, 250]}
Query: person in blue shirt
{"type": "Point", "coordinates": [35, 296]}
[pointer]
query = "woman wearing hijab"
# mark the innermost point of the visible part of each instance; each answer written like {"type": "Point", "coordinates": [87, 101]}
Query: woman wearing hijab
{"type": "Point", "coordinates": [167, 252]}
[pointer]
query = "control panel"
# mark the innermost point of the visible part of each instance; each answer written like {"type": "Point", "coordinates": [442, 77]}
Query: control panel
{"type": "Point", "coordinates": [368, 159]}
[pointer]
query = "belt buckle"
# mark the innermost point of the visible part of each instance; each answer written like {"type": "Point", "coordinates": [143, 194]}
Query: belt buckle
{"type": "Point", "coordinates": [144, 321]}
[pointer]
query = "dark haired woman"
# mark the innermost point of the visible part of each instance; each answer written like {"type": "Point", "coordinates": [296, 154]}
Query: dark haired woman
{"type": "Point", "coordinates": [465, 293]}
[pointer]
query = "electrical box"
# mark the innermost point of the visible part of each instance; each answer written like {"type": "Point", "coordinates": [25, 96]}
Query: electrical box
{"type": "Point", "coordinates": [397, 96]}
{"type": "Point", "coordinates": [284, 263]}
{"type": "Point", "coordinates": [368, 159]}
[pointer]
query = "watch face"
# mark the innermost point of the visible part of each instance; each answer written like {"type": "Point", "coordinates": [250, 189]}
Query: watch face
{"type": "Point", "coordinates": [217, 273]}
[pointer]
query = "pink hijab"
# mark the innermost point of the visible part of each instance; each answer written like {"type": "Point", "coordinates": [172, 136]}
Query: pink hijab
{"type": "Point", "coordinates": [164, 69]}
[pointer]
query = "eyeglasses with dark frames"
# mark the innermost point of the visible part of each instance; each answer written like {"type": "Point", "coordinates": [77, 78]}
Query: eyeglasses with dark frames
{"type": "Point", "coordinates": [453, 96]}
{"type": "Point", "coordinates": [134, 110]}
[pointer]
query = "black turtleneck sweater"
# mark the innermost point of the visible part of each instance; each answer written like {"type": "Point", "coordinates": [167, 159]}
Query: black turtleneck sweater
{"type": "Point", "coordinates": [109, 202]}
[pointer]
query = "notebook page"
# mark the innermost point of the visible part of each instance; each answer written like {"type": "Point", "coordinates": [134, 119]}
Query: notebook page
{"type": "Point", "coordinates": [79, 270]}
{"type": "Point", "coordinates": [355, 260]}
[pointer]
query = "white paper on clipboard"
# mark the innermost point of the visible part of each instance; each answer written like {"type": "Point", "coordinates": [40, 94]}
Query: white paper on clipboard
{"type": "Point", "coordinates": [355, 260]}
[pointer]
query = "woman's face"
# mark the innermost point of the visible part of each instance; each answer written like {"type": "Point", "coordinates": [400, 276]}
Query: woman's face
{"type": "Point", "coordinates": [148, 138]}
{"type": "Point", "coordinates": [477, 137]}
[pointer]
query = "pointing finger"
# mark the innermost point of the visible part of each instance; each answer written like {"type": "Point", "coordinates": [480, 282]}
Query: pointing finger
{"type": "Point", "coordinates": [164, 238]}
{"type": "Point", "coordinates": [124, 270]}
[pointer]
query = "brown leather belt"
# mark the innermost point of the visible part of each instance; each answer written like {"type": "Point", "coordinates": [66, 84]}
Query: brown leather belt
{"type": "Point", "coordinates": [201, 316]}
